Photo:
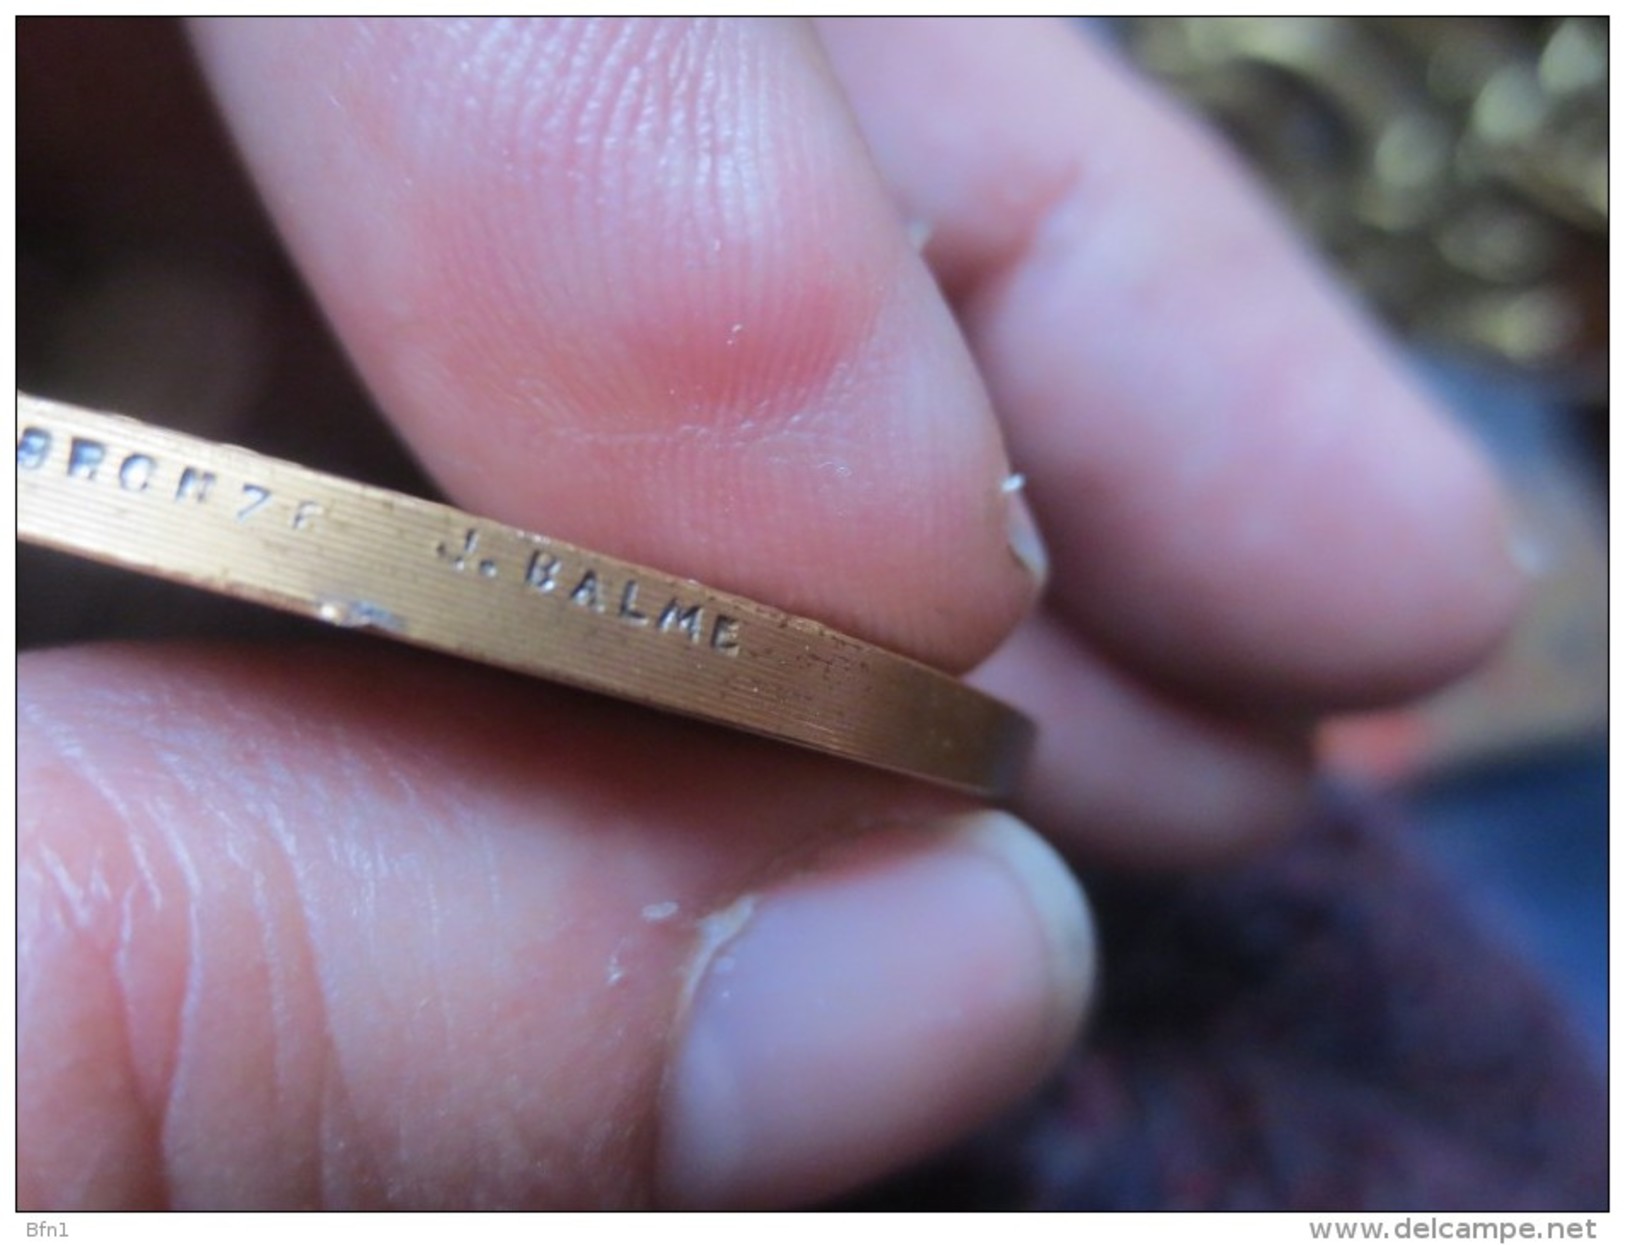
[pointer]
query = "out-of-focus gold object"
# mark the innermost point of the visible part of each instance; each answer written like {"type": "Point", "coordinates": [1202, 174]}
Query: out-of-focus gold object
{"type": "Point", "coordinates": [240, 523]}
{"type": "Point", "coordinates": [1457, 167]}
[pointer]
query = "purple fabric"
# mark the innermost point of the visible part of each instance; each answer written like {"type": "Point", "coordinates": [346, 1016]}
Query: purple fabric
{"type": "Point", "coordinates": [1322, 1029]}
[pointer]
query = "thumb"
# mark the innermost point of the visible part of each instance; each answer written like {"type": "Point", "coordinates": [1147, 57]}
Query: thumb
{"type": "Point", "coordinates": [331, 927]}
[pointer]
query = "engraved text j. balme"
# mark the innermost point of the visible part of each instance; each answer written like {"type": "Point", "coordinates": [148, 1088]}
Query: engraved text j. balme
{"type": "Point", "coordinates": [588, 585]}
{"type": "Point", "coordinates": [548, 568]}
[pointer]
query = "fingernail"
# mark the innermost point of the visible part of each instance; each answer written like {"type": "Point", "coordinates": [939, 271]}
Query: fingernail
{"type": "Point", "coordinates": [857, 1017]}
{"type": "Point", "coordinates": [1025, 542]}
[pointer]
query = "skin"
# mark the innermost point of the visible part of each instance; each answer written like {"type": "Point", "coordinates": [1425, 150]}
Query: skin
{"type": "Point", "coordinates": [329, 925]}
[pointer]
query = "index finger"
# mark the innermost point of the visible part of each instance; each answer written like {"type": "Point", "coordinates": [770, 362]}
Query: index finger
{"type": "Point", "coordinates": [636, 285]}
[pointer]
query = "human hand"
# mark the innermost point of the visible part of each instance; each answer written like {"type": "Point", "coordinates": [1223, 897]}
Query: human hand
{"type": "Point", "coordinates": [352, 927]}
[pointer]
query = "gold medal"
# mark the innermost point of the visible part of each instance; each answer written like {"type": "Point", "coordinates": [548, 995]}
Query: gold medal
{"type": "Point", "coordinates": [239, 523]}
